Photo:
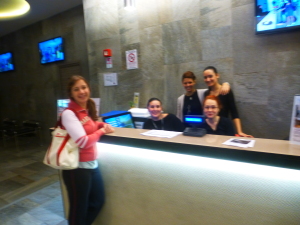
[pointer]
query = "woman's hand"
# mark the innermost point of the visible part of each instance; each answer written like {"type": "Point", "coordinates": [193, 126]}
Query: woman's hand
{"type": "Point", "coordinates": [241, 134]}
{"type": "Point", "coordinates": [225, 88]}
{"type": "Point", "coordinates": [107, 128]}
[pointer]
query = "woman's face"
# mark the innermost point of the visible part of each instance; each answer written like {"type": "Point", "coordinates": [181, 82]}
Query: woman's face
{"type": "Point", "coordinates": [210, 78]}
{"type": "Point", "coordinates": [211, 108]}
{"type": "Point", "coordinates": [155, 109]}
{"type": "Point", "coordinates": [189, 84]}
{"type": "Point", "coordinates": [80, 92]}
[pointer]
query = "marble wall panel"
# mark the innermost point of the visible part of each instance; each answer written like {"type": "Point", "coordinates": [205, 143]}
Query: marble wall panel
{"type": "Point", "coordinates": [284, 84]}
{"type": "Point", "coordinates": [216, 43]}
{"type": "Point", "coordinates": [236, 3]}
{"type": "Point", "coordinates": [252, 88]}
{"type": "Point", "coordinates": [282, 42]}
{"type": "Point", "coordinates": [97, 60]}
{"type": "Point", "coordinates": [130, 82]}
{"type": "Point", "coordinates": [157, 85]}
{"type": "Point", "coordinates": [254, 119]}
{"type": "Point", "coordinates": [215, 13]}
{"type": "Point", "coordinates": [249, 50]}
{"type": "Point", "coordinates": [185, 9]}
{"type": "Point", "coordinates": [101, 20]}
{"type": "Point", "coordinates": [129, 27]}
{"type": "Point", "coordinates": [147, 13]}
{"type": "Point", "coordinates": [165, 12]}
{"type": "Point", "coordinates": [92, 3]}
{"type": "Point", "coordinates": [151, 52]}
{"type": "Point", "coordinates": [182, 41]}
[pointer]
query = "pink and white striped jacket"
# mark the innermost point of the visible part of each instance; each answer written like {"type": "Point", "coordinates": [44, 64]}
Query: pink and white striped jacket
{"type": "Point", "coordinates": [83, 130]}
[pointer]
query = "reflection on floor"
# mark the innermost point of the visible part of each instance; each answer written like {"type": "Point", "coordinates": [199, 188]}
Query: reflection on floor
{"type": "Point", "coordinates": [29, 190]}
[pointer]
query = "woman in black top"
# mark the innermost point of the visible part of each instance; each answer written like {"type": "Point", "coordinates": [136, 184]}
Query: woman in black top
{"type": "Point", "coordinates": [159, 120]}
{"type": "Point", "coordinates": [215, 124]}
{"type": "Point", "coordinates": [211, 78]}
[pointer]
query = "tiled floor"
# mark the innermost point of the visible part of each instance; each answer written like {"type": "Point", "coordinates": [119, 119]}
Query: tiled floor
{"type": "Point", "coordinates": [29, 191]}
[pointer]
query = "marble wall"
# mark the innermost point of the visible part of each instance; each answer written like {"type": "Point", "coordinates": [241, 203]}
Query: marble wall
{"type": "Point", "coordinates": [31, 91]}
{"type": "Point", "coordinates": [173, 36]}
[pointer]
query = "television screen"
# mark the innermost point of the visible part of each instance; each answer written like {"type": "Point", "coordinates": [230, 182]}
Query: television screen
{"type": "Point", "coordinates": [51, 50]}
{"type": "Point", "coordinates": [277, 15]}
{"type": "Point", "coordinates": [6, 62]}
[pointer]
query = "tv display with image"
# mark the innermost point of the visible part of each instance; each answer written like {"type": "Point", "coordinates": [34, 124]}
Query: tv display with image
{"type": "Point", "coordinates": [51, 50]}
{"type": "Point", "coordinates": [6, 62]}
{"type": "Point", "coordinates": [276, 15]}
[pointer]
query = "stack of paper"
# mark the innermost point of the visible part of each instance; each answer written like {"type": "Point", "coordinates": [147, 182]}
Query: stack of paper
{"type": "Point", "coordinates": [161, 133]}
{"type": "Point", "coordinates": [244, 143]}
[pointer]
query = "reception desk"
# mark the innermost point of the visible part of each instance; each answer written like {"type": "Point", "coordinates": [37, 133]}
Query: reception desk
{"type": "Point", "coordinates": [192, 180]}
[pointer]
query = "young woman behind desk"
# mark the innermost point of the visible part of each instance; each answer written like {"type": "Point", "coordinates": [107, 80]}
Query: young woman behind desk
{"type": "Point", "coordinates": [159, 120]}
{"type": "Point", "coordinates": [215, 124]}
{"type": "Point", "coordinates": [211, 78]}
{"type": "Point", "coordinates": [190, 103]}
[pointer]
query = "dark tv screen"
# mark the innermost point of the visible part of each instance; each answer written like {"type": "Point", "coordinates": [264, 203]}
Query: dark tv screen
{"type": "Point", "coordinates": [276, 15]}
{"type": "Point", "coordinates": [6, 62]}
{"type": "Point", "coordinates": [51, 50]}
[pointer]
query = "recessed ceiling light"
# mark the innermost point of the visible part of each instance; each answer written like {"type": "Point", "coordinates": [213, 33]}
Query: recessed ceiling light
{"type": "Point", "coordinates": [12, 8]}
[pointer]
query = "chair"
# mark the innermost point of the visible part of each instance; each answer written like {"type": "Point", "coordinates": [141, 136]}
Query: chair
{"type": "Point", "coordinates": [28, 127]}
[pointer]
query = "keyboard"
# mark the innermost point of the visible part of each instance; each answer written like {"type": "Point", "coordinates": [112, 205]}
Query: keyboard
{"type": "Point", "coordinates": [195, 132]}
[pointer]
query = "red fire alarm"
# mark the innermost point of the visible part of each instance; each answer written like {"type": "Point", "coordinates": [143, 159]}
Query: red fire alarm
{"type": "Point", "coordinates": [107, 53]}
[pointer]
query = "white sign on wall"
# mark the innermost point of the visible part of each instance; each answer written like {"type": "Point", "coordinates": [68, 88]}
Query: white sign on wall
{"type": "Point", "coordinates": [295, 123]}
{"type": "Point", "coordinates": [110, 79]}
{"type": "Point", "coordinates": [132, 59]}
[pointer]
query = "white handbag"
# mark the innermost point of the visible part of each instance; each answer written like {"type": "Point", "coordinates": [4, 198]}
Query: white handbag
{"type": "Point", "coordinates": [63, 152]}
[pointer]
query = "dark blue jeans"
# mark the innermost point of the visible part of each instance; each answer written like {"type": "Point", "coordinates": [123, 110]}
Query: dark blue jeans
{"type": "Point", "coordinates": [86, 195]}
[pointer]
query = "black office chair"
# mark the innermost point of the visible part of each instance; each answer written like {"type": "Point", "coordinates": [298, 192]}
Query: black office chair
{"type": "Point", "coordinates": [28, 128]}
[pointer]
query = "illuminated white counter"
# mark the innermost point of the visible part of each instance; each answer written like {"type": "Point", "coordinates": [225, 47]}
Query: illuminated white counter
{"type": "Point", "coordinates": [265, 152]}
{"type": "Point", "coordinates": [147, 183]}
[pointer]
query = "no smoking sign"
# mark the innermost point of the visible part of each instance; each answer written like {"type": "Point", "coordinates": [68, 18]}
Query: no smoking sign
{"type": "Point", "coordinates": [131, 59]}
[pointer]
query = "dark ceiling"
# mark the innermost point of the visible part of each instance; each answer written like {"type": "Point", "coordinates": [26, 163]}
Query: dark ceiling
{"type": "Point", "coordinates": [39, 10]}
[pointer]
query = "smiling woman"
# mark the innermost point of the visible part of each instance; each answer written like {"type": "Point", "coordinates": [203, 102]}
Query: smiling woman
{"type": "Point", "coordinates": [160, 120]}
{"type": "Point", "coordinates": [12, 8]}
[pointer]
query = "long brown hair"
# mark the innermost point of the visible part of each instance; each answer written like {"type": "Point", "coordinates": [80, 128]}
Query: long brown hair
{"type": "Point", "coordinates": [91, 106]}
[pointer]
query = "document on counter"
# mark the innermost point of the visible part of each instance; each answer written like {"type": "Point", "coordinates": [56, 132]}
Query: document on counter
{"type": "Point", "coordinates": [161, 133]}
{"type": "Point", "coordinates": [244, 143]}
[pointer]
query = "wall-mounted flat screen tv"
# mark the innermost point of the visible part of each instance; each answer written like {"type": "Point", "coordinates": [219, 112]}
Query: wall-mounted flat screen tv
{"type": "Point", "coordinates": [276, 15]}
{"type": "Point", "coordinates": [6, 62]}
{"type": "Point", "coordinates": [51, 50]}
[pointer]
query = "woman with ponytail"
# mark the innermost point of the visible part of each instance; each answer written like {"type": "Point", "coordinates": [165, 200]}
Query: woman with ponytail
{"type": "Point", "coordinates": [84, 184]}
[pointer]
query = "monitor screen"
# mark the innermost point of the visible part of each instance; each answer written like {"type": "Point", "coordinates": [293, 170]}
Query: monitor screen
{"type": "Point", "coordinates": [194, 120]}
{"type": "Point", "coordinates": [120, 120]}
{"type": "Point", "coordinates": [63, 103]}
{"type": "Point", "coordinates": [6, 62]}
{"type": "Point", "coordinates": [276, 15]}
{"type": "Point", "coordinates": [51, 50]}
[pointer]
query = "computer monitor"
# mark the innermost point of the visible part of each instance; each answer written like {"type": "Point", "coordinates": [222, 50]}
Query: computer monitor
{"type": "Point", "coordinates": [63, 103]}
{"type": "Point", "coordinates": [196, 121]}
{"type": "Point", "coordinates": [120, 120]}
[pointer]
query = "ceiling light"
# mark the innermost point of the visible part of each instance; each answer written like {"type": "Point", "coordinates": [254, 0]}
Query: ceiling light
{"type": "Point", "coordinates": [13, 8]}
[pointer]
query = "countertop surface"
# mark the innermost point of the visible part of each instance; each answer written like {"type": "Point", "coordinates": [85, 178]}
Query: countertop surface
{"type": "Point", "coordinates": [261, 145]}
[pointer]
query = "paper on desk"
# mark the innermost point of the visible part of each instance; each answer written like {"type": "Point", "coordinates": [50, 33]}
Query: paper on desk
{"type": "Point", "coordinates": [161, 133]}
{"type": "Point", "coordinates": [244, 143]}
